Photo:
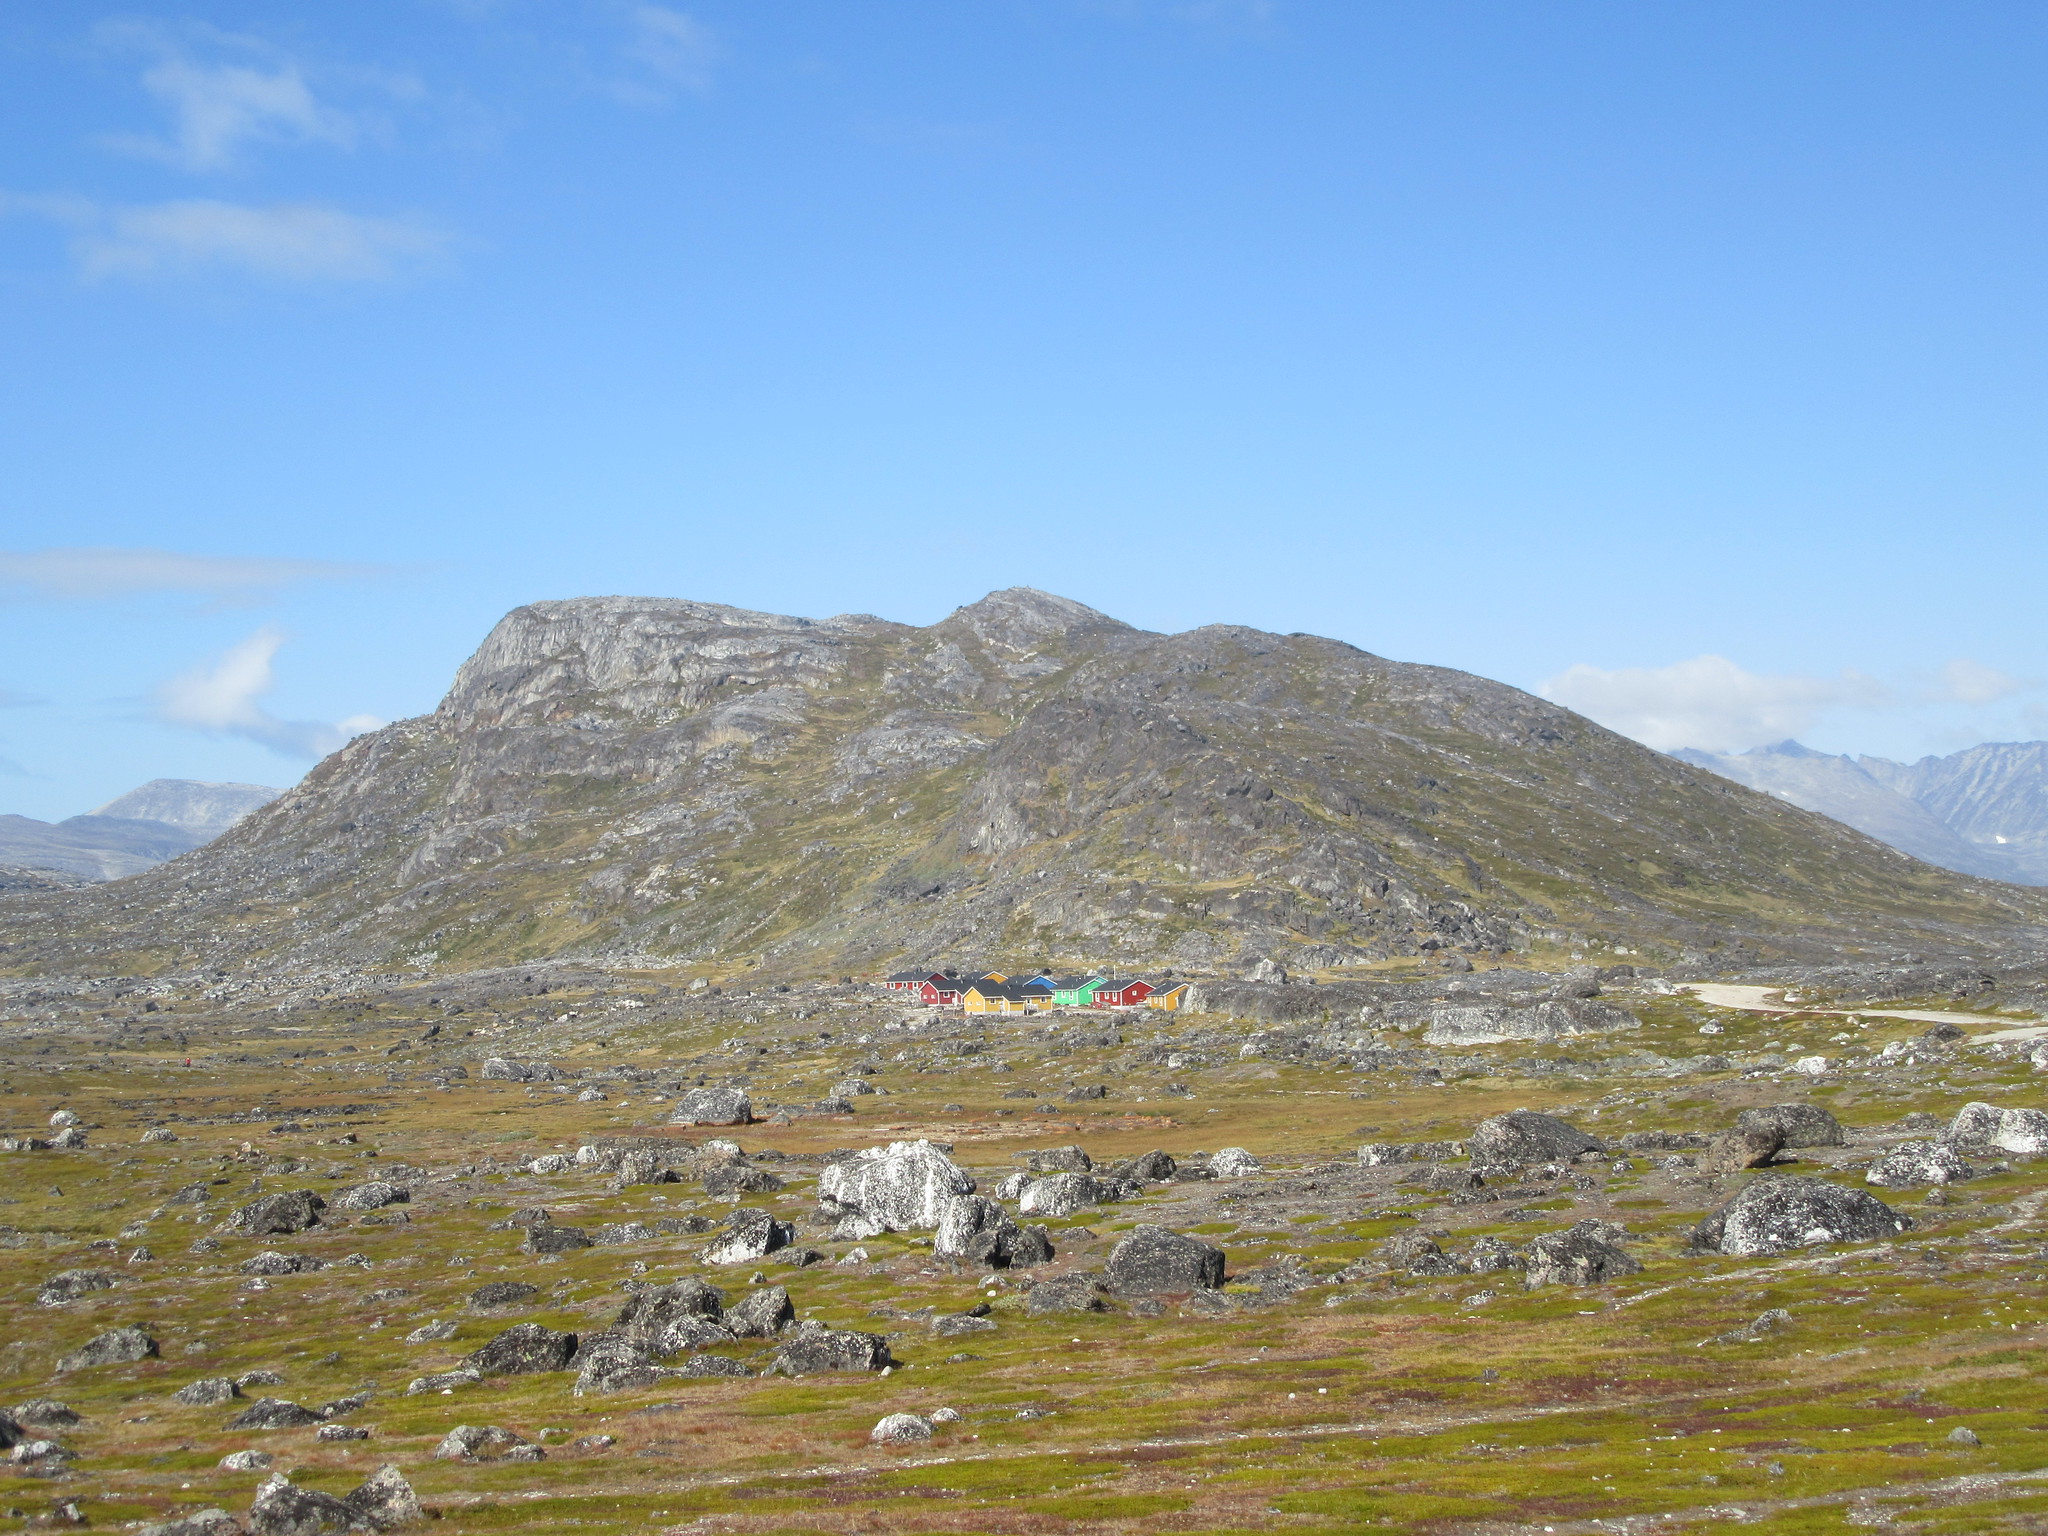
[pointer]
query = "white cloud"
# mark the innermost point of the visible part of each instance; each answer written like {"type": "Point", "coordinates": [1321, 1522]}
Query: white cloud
{"type": "Point", "coordinates": [117, 573]}
{"type": "Point", "coordinates": [1964, 681]}
{"type": "Point", "coordinates": [244, 93]}
{"type": "Point", "coordinates": [222, 696]}
{"type": "Point", "coordinates": [298, 242]}
{"type": "Point", "coordinates": [1708, 702]}
{"type": "Point", "coordinates": [677, 49]}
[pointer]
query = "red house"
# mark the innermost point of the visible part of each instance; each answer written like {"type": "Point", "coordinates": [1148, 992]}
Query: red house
{"type": "Point", "coordinates": [942, 991]}
{"type": "Point", "coordinates": [910, 981]}
{"type": "Point", "coordinates": [1122, 993]}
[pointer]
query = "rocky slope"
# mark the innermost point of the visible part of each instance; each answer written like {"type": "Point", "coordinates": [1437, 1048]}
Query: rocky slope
{"type": "Point", "coordinates": [641, 778]}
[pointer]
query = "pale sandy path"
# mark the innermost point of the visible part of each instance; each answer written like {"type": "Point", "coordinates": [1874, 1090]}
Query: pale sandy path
{"type": "Point", "coordinates": [1722, 994]}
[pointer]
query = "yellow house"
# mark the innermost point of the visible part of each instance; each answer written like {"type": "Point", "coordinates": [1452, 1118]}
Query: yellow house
{"type": "Point", "coordinates": [1172, 998]}
{"type": "Point", "coordinates": [1005, 997]}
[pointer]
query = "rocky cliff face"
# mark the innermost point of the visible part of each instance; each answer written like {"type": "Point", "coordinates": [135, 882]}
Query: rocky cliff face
{"type": "Point", "coordinates": [629, 778]}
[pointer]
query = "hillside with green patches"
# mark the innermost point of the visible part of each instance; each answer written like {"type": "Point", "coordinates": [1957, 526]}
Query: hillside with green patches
{"type": "Point", "coordinates": [648, 780]}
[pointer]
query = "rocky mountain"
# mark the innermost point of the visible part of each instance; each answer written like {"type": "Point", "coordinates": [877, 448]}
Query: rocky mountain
{"type": "Point", "coordinates": [137, 831]}
{"type": "Point", "coordinates": [663, 781]}
{"type": "Point", "coordinates": [1983, 811]}
{"type": "Point", "coordinates": [201, 808]}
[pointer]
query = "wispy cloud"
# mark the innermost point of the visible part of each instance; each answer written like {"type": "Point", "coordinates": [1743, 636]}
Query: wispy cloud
{"type": "Point", "coordinates": [1964, 681]}
{"type": "Point", "coordinates": [224, 696]}
{"type": "Point", "coordinates": [1709, 701]}
{"type": "Point", "coordinates": [221, 106]}
{"type": "Point", "coordinates": [669, 50]}
{"type": "Point", "coordinates": [100, 574]}
{"type": "Point", "coordinates": [291, 242]}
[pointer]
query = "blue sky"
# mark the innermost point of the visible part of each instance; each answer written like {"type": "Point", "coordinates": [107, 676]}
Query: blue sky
{"type": "Point", "coordinates": [1684, 360]}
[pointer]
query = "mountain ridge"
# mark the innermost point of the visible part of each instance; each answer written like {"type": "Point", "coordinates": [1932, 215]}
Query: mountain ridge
{"type": "Point", "coordinates": [683, 783]}
{"type": "Point", "coordinates": [1982, 811]}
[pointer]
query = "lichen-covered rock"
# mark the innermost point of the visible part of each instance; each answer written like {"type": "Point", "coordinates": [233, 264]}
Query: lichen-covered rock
{"type": "Point", "coordinates": [613, 1234]}
{"type": "Point", "coordinates": [505, 1069]}
{"type": "Point", "coordinates": [246, 1461]}
{"type": "Point", "coordinates": [271, 1262]}
{"type": "Point", "coordinates": [817, 1349]}
{"type": "Point", "coordinates": [957, 1324]}
{"type": "Point", "coordinates": [502, 1293]}
{"type": "Point", "coordinates": [980, 1231]}
{"type": "Point", "coordinates": [282, 1508]}
{"type": "Point", "coordinates": [1557, 1019]}
{"type": "Point", "coordinates": [522, 1349]}
{"type": "Point", "coordinates": [615, 1365]}
{"type": "Point", "coordinates": [1740, 1148]}
{"type": "Point", "coordinates": [207, 1392]}
{"type": "Point", "coordinates": [46, 1413]}
{"type": "Point", "coordinates": [1152, 1261]}
{"type": "Point", "coordinates": [900, 1429]}
{"type": "Point", "coordinates": [903, 1187]}
{"type": "Point", "coordinates": [1058, 1160]}
{"type": "Point", "coordinates": [712, 1365]}
{"type": "Point", "coordinates": [1524, 1136]}
{"type": "Point", "coordinates": [280, 1214]}
{"type": "Point", "coordinates": [760, 1314]}
{"type": "Point", "coordinates": [69, 1285]}
{"type": "Point", "coordinates": [1234, 1163]}
{"type": "Point", "coordinates": [1420, 1254]}
{"type": "Point", "coordinates": [1911, 1163]}
{"type": "Point", "coordinates": [432, 1333]}
{"type": "Point", "coordinates": [1149, 1167]}
{"type": "Point", "coordinates": [729, 1181]}
{"type": "Point", "coordinates": [652, 1312]}
{"type": "Point", "coordinates": [371, 1196]}
{"type": "Point", "coordinates": [1779, 1215]}
{"type": "Point", "coordinates": [1490, 1255]}
{"type": "Point", "coordinates": [1065, 1293]}
{"type": "Point", "coordinates": [1797, 1125]}
{"type": "Point", "coordinates": [750, 1234]}
{"type": "Point", "coordinates": [478, 1442]}
{"type": "Point", "coordinates": [1061, 1194]}
{"type": "Point", "coordinates": [443, 1381]}
{"type": "Point", "coordinates": [549, 1238]}
{"type": "Point", "coordinates": [117, 1346]}
{"type": "Point", "coordinates": [384, 1501]}
{"type": "Point", "coordinates": [1986, 1128]}
{"type": "Point", "coordinates": [201, 1522]}
{"type": "Point", "coordinates": [1581, 1255]}
{"type": "Point", "coordinates": [274, 1413]}
{"type": "Point", "coordinates": [1380, 1154]}
{"type": "Point", "coordinates": [714, 1106]}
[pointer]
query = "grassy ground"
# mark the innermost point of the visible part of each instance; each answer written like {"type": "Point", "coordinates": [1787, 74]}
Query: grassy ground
{"type": "Point", "coordinates": [1378, 1401]}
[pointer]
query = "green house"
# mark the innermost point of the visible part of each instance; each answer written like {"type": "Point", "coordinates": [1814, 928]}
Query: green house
{"type": "Point", "coordinates": [1075, 991]}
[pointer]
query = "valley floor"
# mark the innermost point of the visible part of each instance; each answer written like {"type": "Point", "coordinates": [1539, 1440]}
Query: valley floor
{"type": "Point", "coordinates": [1333, 1383]}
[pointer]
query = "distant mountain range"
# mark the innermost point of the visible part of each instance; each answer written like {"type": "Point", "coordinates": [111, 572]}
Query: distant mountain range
{"type": "Point", "coordinates": [1981, 812]}
{"type": "Point", "coordinates": [658, 781]}
{"type": "Point", "coordinates": [143, 828]}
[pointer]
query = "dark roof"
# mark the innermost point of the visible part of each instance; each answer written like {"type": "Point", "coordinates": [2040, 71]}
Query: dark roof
{"type": "Point", "coordinates": [1068, 983]}
{"type": "Point", "coordinates": [911, 975]}
{"type": "Point", "coordinates": [1119, 983]}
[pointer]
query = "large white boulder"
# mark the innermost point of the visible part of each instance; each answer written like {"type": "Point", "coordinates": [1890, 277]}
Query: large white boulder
{"type": "Point", "coordinates": [904, 1187]}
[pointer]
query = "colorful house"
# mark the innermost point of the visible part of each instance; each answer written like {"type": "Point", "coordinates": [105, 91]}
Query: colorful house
{"type": "Point", "coordinates": [1121, 992]}
{"type": "Point", "coordinates": [1172, 997]}
{"type": "Point", "coordinates": [1075, 991]}
{"type": "Point", "coordinates": [941, 991]}
{"type": "Point", "coordinates": [910, 981]}
{"type": "Point", "coordinates": [1006, 997]}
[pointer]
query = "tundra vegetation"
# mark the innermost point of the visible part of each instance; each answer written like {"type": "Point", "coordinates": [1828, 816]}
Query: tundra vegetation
{"type": "Point", "coordinates": [356, 1251]}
